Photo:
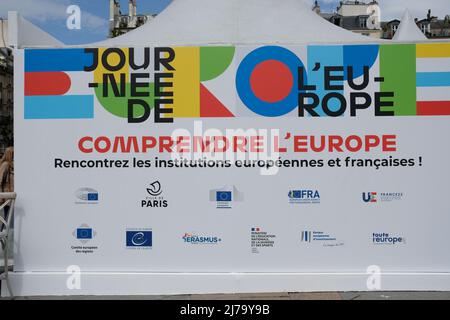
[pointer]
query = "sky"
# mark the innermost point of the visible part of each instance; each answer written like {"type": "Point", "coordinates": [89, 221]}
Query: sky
{"type": "Point", "coordinates": [51, 15]}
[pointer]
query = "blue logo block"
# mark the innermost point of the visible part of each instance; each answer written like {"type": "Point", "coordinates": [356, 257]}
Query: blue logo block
{"type": "Point", "coordinates": [92, 196]}
{"type": "Point", "coordinates": [139, 239]}
{"type": "Point", "coordinates": [296, 194]}
{"type": "Point", "coordinates": [223, 196]}
{"type": "Point", "coordinates": [84, 233]}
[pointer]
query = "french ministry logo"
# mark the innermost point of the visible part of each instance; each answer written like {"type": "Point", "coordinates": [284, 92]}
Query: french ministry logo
{"type": "Point", "coordinates": [261, 239]}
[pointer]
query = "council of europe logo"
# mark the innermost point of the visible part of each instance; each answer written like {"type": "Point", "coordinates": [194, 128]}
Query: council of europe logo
{"type": "Point", "coordinates": [139, 238]}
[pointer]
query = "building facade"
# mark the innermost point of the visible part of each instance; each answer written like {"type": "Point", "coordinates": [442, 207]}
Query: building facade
{"type": "Point", "coordinates": [356, 16]}
{"type": "Point", "coordinates": [390, 28]}
{"type": "Point", "coordinates": [364, 18]}
{"type": "Point", "coordinates": [432, 27]}
{"type": "Point", "coordinates": [6, 89]}
{"type": "Point", "coordinates": [122, 23]}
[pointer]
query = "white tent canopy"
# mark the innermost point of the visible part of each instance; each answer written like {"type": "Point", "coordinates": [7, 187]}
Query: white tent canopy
{"type": "Point", "coordinates": [408, 30]}
{"type": "Point", "coordinates": [200, 22]}
{"type": "Point", "coordinates": [210, 22]}
{"type": "Point", "coordinates": [22, 33]}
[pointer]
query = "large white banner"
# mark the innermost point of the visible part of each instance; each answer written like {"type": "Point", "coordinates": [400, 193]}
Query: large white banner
{"type": "Point", "coordinates": [233, 159]}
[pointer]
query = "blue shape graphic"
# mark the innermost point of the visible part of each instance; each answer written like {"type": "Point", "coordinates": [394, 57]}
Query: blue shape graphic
{"type": "Point", "coordinates": [359, 56]}
{"type": "Point", "coordinates": [42, 60]}
{"type": "Point", "coordinates": [244, 73]}
{"type": "Point", "coordinates": [59, 107]}
{"type": "Point", "coordinates": [433, 79]}
{"type": "Point", "coordinates": [327, 56]}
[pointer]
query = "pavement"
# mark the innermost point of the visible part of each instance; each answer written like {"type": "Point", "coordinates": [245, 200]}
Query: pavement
{"type": "Point", "coordinates": [268, 296]}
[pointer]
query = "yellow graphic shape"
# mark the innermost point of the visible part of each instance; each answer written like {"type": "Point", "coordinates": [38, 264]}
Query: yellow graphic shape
{"type": "Point", "coordinates": [186, 82]}
{"type": "Point", "coordinates": [433, 50]}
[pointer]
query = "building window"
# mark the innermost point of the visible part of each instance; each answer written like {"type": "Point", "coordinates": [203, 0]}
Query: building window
{"type": "Point", "coordinates": [424, 28]}
{"type": "Point", "coordinates": [363, 23]}
{"type": "Point", "coordinates": [394, 28]}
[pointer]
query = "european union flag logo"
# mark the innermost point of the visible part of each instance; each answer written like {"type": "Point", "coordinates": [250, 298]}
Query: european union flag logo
{"type": "Point", "coordinates": [84, 233]}
{"type": "Point", "coordinates": [223, 196]}
{"type": "Point", "coordinates": [92, 196]}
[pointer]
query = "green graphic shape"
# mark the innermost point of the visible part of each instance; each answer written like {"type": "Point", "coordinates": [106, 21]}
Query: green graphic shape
{"type": "Point", "coordinates": [398, 67]}
{"type": "Point", "coordinates": [118, 106]}
{"type": "Point", "coordinates": [214, 61]}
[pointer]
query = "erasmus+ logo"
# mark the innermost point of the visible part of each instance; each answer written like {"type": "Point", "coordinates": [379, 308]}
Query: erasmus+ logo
{"type": "Point", "coordinates": [139, 239]}
{"type": "Point", "coordinates": [304, 196]}
{"type": "Point", "coordinates": [193, 238]}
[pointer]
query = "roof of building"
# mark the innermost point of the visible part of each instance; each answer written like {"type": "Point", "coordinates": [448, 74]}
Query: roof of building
{"type": "Point", "coordinates": [327, 15]}
{"type": "Point", "coordinates": [356, 3]}
{"type": "Point", "coordinates": [424, 21]}
{"type": "Point", "coordinates": [395, 21]}
{"type": "Point", "coordinates": [347, 22]}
